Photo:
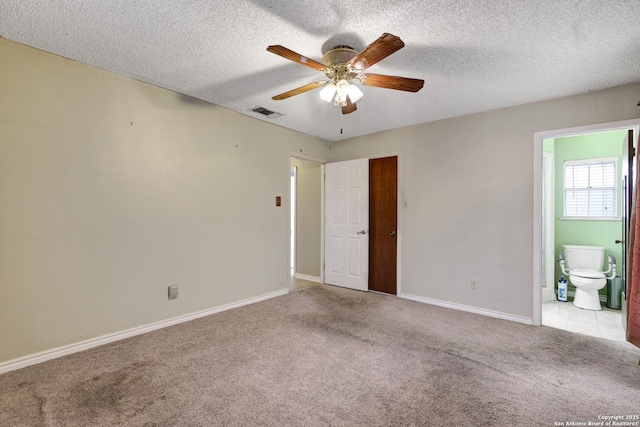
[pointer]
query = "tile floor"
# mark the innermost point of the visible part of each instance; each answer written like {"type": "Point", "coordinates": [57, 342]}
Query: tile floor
{"type": "Point", "coordinates": [606, 323]}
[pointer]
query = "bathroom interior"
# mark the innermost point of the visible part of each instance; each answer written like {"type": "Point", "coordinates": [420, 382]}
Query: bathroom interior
{"type": "Point", "coordinates": [567, 162]}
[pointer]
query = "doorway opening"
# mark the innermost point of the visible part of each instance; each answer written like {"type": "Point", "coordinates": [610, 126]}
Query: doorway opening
{"type": "Point", "coordinates": [310, 218]}
{"type": "Point", "coordinates": [557, 154]}
{"type": "Point", "coordinates": [306, 223]}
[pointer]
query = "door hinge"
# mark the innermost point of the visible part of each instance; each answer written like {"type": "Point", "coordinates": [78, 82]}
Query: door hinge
{"type": "Point", "coordinates": [633, 152]}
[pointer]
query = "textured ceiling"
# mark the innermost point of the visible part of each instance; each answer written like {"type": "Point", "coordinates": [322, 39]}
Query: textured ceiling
{"type": "Point", "coordinates": [474, 55]}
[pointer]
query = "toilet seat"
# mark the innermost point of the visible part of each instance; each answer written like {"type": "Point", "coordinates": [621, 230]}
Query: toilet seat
{"type": "Point", "coordinates": [587, 274]}
{"type": "Point", "coordinates": [587, 282]}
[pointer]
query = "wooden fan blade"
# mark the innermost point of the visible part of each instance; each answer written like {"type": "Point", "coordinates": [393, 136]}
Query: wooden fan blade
{"type": "Point", "coordinates": [301, 89]}
{"type": "Point", "coordinates": [384, 46]}
{"type": "Point", "coordinates": [296, 57]}
{"type": "Point", "coordinates": [392, 82]}
{"type": "Point", "coordinates": [350, 107]}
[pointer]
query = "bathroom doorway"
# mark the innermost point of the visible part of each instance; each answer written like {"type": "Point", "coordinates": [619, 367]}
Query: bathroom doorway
{"type": "Point", "coordinates": [559, 226]}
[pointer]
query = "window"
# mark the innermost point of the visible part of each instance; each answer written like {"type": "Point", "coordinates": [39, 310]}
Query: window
{"type": "Point", "coordinates": [590, 188]}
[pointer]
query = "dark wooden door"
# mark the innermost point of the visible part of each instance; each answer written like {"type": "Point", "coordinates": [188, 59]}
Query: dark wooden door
{"type": "Point", "coordinates": [383, 223]}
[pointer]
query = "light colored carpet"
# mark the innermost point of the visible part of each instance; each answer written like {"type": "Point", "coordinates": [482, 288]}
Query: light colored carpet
{"type": "Point", "coordinates": [331, 356]}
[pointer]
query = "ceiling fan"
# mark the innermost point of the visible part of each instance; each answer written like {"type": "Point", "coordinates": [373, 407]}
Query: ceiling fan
{"type": "Point", "coordinates": [342, 65]}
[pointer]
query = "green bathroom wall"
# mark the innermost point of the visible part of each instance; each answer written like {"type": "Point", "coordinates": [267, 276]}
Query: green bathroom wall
{"type": "Point", "coordinates": [548, 145]}
{"type": "Point", "coordinates": [587, 232]}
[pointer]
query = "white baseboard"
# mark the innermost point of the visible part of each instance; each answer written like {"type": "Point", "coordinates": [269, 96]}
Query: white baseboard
{"type": "Point", "coordinates": [468, 308]}
{"type": "Point", "coordinates": [34, 359]}
{"type": "Point", "coordinates": [307, 277]}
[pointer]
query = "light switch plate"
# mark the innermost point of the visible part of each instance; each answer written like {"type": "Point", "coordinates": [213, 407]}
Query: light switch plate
{"type": "Point", "coordinates": [173, 291]}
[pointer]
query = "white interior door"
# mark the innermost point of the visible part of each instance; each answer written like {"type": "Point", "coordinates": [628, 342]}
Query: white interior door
{"type": "Point", "coordinates": [347, 224]}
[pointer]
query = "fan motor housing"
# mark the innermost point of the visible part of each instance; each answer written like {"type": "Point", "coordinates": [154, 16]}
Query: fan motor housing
{"type": "Point", "coordinates": [338, 55]}
{"type": "Point", "coordinates": [336, 61]}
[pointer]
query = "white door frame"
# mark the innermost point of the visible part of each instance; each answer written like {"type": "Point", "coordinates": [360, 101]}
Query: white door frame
{"type": "Point", "coordinates": [293, 212]}
{"type": "Point", "coordinates": [548, 293]}
{"type": "Point", "coordinates": [537, 194]}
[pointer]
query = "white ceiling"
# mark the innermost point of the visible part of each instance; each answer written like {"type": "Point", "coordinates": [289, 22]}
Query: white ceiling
{"type": "Point", "coordinates": [474, 55]}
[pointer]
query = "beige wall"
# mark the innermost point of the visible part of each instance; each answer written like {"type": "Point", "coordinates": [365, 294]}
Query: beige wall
{"type": "Point", "coordinates": [111, 190]}
{"type": "Point", "coordinates": [468, 187]}
{"type": "Point", "coordinates": [309, 217]}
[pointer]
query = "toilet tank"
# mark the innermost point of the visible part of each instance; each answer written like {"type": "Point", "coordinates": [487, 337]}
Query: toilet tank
{"type": "Point", "coordinates": [589, 257]}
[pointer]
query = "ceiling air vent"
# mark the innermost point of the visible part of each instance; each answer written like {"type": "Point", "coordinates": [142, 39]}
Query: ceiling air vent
{"type": "Point", "coordinates": [267, 113]}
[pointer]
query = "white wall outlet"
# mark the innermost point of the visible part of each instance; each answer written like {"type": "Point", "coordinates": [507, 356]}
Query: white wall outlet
{"type": "Point", "coordinates": [474, 285]}
{"type": "Point", "coordinates": [173, 291]}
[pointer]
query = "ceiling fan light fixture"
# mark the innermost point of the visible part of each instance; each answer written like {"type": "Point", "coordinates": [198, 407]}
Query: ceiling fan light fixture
{"type": "Point", "coordinates": [354, 93]}
{"type": "Point", "coordinates": [342, 91]}
{"type": "Point", "coordinates": [340, 101]}
{"type": "Point", "coordinates": [328, 92]}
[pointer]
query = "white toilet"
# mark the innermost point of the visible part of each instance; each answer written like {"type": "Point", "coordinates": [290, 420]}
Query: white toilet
{"type": "Point", "coordinates": [583, 265]}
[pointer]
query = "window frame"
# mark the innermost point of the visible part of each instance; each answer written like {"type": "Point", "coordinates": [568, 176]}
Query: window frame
{"type": "Point", "coordinates": [616, 188]}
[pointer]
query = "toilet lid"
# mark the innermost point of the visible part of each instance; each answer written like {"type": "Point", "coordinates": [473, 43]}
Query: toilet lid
{"type": "Point", "coordinates": [588, 274]}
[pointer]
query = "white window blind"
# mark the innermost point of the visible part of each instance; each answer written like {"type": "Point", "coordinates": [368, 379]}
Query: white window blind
{"type": "Point", "coordinates": [590, 188]}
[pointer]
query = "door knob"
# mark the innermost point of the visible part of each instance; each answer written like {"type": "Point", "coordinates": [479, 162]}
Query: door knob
{"type": "Point", "coordinates": [393, 233]}
{"type": "Point", "coordinates": [619, 241]}
{"type": "Point", "coordinates": [361, 232]}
